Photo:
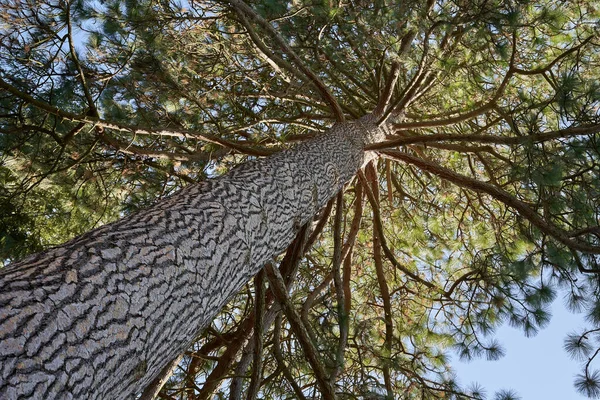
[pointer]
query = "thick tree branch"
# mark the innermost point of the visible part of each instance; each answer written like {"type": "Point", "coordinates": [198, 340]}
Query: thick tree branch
{"type": "Point", "coordinates": [371, 175]}
{"type": "Point", "coordinates": [488, 139]}
{"type": "Point", "coordinates": [288, 269]}
{"type": "Point", "coordinates": [130, 148]}
{"type": "Point", "coordinates": [135, 130]}
{"type": "Point", "coordinates": [226, 360]}
{"type": "Point", "coordinates": [422, 75]}
{"type": "Point", "coordinates": [549, 66]}
{"type": "Point", "coordinates": [276, 62]}
{"type": "Point", "coordinates": [357, 82]}
{"type": "Point", "coordinates": [497, 193]}
{"type": "Point", "coordinates": [433, 122]}
{"type": "Point", "coordinates": [386, 96]}
{"type": "Point", "coordinates": [156, 385]}
{"type": "Point", "coordinates": [355, 224]}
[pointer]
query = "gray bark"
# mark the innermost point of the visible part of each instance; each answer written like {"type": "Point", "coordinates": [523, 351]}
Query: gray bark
{"type": "Point", "coordinates": [100, 316]}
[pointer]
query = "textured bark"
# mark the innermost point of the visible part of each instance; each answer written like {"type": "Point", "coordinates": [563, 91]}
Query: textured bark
{"type": "Point", "coordinates": [101, 316]}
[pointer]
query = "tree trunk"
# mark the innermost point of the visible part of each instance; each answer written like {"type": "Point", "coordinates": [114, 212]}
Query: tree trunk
{"type": "Point", "coordinates": [100, 316]}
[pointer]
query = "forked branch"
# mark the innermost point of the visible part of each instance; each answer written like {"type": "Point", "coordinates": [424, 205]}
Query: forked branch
{"type": "Point", "coordinates": [278, 288]}
{"type": "Point", "coordinates": [243, 10]}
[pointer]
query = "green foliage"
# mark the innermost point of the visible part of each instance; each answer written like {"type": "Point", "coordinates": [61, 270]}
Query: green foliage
{"type": "Point", "coordinates": [506, 395]}
{"type": "Point", "coordinates": [578, 346]}
{"type": "Point", "coordinates": [588, 384]}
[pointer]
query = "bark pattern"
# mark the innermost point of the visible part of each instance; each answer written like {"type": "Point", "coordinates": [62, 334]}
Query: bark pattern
{"type": "Point", "coordinates": [100, 316]}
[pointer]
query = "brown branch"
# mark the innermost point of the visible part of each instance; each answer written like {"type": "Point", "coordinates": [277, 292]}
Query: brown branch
{"type": "Point", "coordinates": [355, 224]}
{"type": "Point", "coordinates": [379, 227]}
{"type": "Point", "coordinates": [460, 280]}
{"type": "Point", "coordinates": [491, 139]}
{"type": "Point", "coordinates": [415, 82]}
{"type": "Point", "coordinates": [386, 96]}
{"type": "Point", "coordinates": [226, 360]}
{"type": "Point", "coordinates": [40, 104]}
{"type": "Point", "coordinates": [183, 133]}
{"type": "Point", "coordinates": [352, 78]}
{"type": "Point", "coordinates": [581, 267]}
{"type": "Point", "coordinates": [288, 269]}
{"type": "Point", "coordinates": [169, 171]}
{"type": "Point", "coordinates": [86, 91]}
{"type": "Point", "coordinates": [406, 41]}
{"type": "Point", "coordinates": [388, 181]}
{"type": "Point", "coordinates": [350, 94]}
{"type": "Point", "coordinates": [541, 70]}
{"type": "Point", "coordinates": [312, 296]}
{"type": "Point", "coordinates": [410, 90]}
{"type": "Point", "coordinates": [433, 122]}
{"type": "Point", "coordinates": [471, 149]}
{"type": "Point", "coordinates": [20, 128]}
{"type": "Point", "coordinates": [152, 390]}
{"type": "Point", "coordinates": [497, 193]}
{"type": "Point", "coordinates": [135, 130]}
{"type": "Point", "coordinates": [73, 132]}
{"type": "Point", "coordinates": [277, 286]}
{"type": "Point", "coordinates": [276, 62]}
{"type": "Point", "coordinates": [241, 8]}
{"type": "Point", "coordinates": [320, 225]}
{"type": "Point", "coordinates": [339, 289]}
{"type": "Point", "coordinates": [259, 310]}
{"type": "Point", "coordinates": [129, 148]}
{"type": "Point", "coordinates": [371, 175]}
{"type": "Point", "coordinates": [234, 342]}
{"type": "Point", "coordinates": [346, 282]}
{"type": "Point", "coordinates": [281, 363]}
{"type": "Point", "coordinates": [595, 230]}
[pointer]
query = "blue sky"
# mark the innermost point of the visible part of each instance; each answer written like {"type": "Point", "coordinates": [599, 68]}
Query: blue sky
{"type": "Point", "coordinates": [536, 368]}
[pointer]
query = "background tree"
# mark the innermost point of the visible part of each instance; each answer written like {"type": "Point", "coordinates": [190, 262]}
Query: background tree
{"type": "Point", "coordinates": [480, 207]}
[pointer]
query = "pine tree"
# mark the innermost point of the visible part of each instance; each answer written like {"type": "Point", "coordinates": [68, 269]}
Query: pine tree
{"type": "Point", "coordinates": [409, 175]}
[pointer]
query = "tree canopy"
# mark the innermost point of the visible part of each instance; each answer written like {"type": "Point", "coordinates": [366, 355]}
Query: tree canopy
{"type": "Point", "coordinates": [480, 207]}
